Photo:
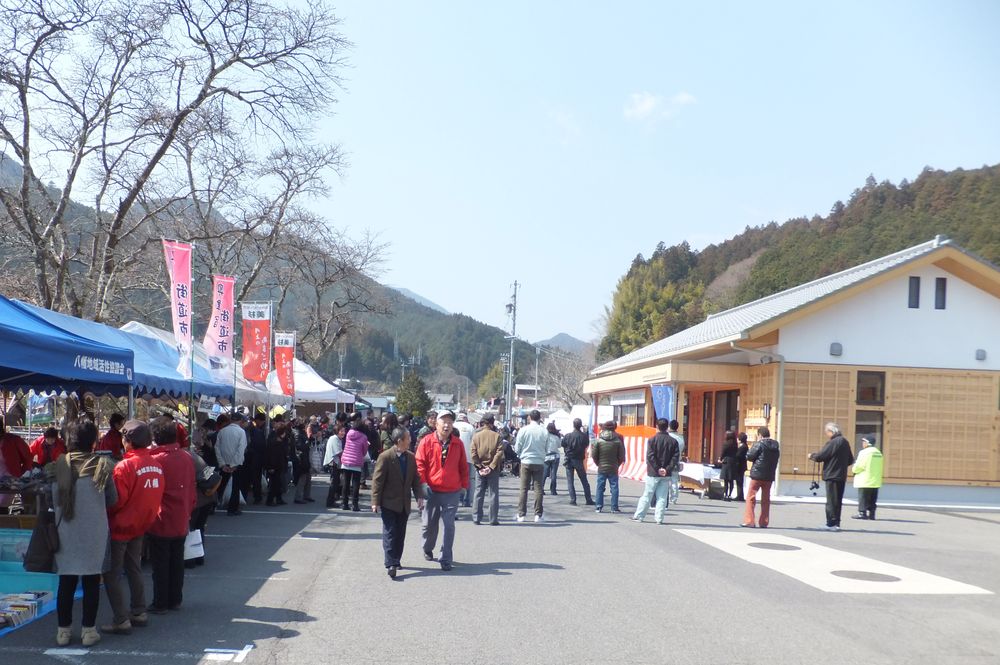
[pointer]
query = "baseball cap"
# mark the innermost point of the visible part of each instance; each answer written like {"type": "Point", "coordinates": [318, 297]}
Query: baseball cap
{"type": "Point", "coordinates": [447, 413]}
{"type": "Point", "coordinates": [137, 431]}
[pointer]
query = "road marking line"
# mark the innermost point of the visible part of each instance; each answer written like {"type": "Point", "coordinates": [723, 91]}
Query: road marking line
{"type": "Point", "coordinates": [825, 568]}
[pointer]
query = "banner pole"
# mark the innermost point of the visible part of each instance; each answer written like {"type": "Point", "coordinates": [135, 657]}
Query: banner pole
{"type": "Point", "coordinates": [270, 362]}
{"type": "Point", "coordinates": [191, 417]}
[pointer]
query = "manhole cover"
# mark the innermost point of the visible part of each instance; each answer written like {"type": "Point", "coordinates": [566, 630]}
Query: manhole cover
{"type": "Point", "coordinates": [781, 547]}
{"type": "Point", "coordinates": [864, 576]}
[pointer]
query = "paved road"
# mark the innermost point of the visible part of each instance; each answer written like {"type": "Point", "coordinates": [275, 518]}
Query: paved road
{"type": "Point", "coordinates": [307, 586]}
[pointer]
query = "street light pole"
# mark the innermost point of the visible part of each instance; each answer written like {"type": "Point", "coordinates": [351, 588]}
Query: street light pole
{"type": "Point", "coordinates": [512, 310]}
{"type": "Point", "coordinates": [537, 352]}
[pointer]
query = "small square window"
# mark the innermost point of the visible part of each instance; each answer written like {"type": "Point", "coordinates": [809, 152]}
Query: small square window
{"type": "Point", "coordinates": [871, 388]}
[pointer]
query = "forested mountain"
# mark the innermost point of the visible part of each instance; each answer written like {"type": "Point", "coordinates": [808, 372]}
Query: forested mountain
{"type": "Point", "coordinates": [677, 287]}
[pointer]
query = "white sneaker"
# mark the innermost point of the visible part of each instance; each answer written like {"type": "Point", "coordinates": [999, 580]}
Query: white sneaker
{"type": "Point", "coordinates": [520, 518]}
{"type": "Point", "coordinates": [539, 518]}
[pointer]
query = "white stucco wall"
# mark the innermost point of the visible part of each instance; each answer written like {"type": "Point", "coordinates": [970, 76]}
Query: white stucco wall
{"type": "Point", "coordinates": [877, 327]}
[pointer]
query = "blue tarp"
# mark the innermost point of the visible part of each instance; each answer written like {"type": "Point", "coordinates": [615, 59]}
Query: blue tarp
{"type": "Point", "coordinates": [155, 362]}
{"type": "Point", "coordinates": [36, 354]}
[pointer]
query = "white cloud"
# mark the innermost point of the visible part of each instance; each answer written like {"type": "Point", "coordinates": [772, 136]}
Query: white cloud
{"type": "Point", "coordinates": [646, 106]}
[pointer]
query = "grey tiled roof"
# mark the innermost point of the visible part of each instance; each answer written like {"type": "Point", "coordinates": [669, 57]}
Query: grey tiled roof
{"type": "Point", "coordinates": [732, 323]}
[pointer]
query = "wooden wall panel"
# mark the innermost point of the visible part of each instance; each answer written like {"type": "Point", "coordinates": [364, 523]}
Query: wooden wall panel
{"type": "Point", "coordinates": [813, 397]}
{"type": "Point", "coordinates": [761, 389]}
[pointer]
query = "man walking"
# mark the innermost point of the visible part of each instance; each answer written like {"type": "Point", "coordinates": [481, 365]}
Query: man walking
{"type": "Point", "coordinates": [574, 447]}
{"type": "Point", "coordinates": [608, 454]}
{"type": "Point", "coordinates": [140, 483]}
{"type": "Point", "coordinates": [867, 478]}
{"type": "Point", "coordinates": [167, 533]}
{"type": "Point", "coordinates": [394, 481]}
{"type": "Point", "coordinates": [444, 471]}
{"type": "Point", "coordinates": [662, 455]}
{"type": "Point", "coordinates": [531, 446]}
{"type": "Point", "coordinates": [837, 458]}
{"type": "Point", "coordinates": [675, 477]}
{"type": "Point", "coordinates": [465, 432]}
{"type": "Point", "coordinates": [764, 455]}
{"type": "Point", "coordinates": [231, 450]}
{"type": "Point", "coordinates": [487, 458]}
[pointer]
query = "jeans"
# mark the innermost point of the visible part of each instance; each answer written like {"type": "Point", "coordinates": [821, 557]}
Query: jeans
{"type": "Point", "coordinates": [471, 492]}
{"type": "Point", "coordinates": [303, 486]}
{"type": "Point", "coordinates": [126, 556]}
{"type": "Point", "coordinates": [610, 479]}
{"type": "Point", "coordinates": [350, 483]}
{"type": "Point", "coordinates": [439, 507]}
{"type": "Point", "coordinates": [657, 489]}
{"type": "Point", "coordinates": [576, 466]}
{"type": "Point", "coordinates": [393, 536]}
{"type": "Point", "coordinates": [167, 557]}
{"type": "Point", "coordinates": [551, 473]}
{"type": "Point", "coordinates": [765, 502]}
{"type": "Point", "coordinates": [91, 599]}
{"type": "Point", "coordinates": [834, 501]}
{"type": "Point", "coordinates": [489, 483]}
{"type": "Point", "coordinates": [675, 486]}
{"type": "Point", "coordinates": [531, 474]}
{"type": "Point", "coordinates": [867, 500]}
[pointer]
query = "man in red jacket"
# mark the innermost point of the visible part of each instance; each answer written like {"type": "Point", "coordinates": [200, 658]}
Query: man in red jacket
{"type": "Point", "coordinates": [444, 470]}
{"type": "Point", "coordinates": [15, 456]}
{"type": "Point", "coordinates": [169, 529]}
{"type": "Point", "coordinates": [140, 482]}
{"type": "Point", "coordinates": [47, 447]}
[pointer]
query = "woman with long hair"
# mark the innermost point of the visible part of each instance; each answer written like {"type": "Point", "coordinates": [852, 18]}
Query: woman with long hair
{"type": "Point", "coordinates": [83, 491]}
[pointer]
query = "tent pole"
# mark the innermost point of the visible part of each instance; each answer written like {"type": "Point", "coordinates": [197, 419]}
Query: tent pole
{"type": "Point", "coordinates": [131, 403]}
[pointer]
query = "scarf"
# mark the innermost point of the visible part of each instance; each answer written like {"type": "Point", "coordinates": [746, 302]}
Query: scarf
{"type": "Point", "coordinates": [75, 465]}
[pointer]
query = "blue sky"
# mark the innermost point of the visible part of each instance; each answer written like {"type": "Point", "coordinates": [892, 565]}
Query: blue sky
{"type": "Point", "coordinates": [551, 142]}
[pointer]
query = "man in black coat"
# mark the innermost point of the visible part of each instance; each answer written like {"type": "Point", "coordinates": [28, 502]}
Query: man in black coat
{"type": "Point", "coordinates": [575, 446]}
{"type": "Point", "coordinates": [837, 458]}
{"type": "Point", "coordinates": [663, 454]}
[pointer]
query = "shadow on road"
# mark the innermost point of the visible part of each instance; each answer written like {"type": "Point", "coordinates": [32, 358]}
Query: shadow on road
{"type": "Point", "coordinates": [477, 569]}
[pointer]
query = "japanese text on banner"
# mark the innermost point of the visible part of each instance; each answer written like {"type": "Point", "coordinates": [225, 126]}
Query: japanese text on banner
{"type": "Point", "coordinates": [219, 336]}
{"type": "Point", "coordinates": [178, 256]}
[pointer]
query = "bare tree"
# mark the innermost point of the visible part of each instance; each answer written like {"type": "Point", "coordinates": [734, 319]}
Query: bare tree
{"type": "Point", "coordinates": [561, 375]}
{"type": "Point", "coordinates": [114, 98]}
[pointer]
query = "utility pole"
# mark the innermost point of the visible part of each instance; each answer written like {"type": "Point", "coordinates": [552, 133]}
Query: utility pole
{"type": "Point", "coordinates": [512, 310]}
{"type": "Point", "coordinates": [537, 352]}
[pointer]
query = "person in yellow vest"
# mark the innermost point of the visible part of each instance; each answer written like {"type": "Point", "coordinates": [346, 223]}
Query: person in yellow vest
{"type": "Point", "coordinates": [867, 478]}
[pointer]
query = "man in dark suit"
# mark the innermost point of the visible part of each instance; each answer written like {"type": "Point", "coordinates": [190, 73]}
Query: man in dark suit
{"type": "Point", "coordinates": [394, 481]}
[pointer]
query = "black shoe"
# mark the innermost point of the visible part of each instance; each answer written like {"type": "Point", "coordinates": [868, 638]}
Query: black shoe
{"type": "Point", "coordinates": [590, 502]}
{"type": "Point", "coordinates": [355, 509]}
{"type": "Point", "coordinates": [446, 567]}
{"type": "Point", "coordinates": [300, 501]}
{"type": "Point", "coordinates": [175, 608]}
{"type": "Point", "coordinates": [554, 493]}
{"type": "Point", "coordinates": [859, 516]}
{"type": "Point", "coordinates": [345, 507]}
{"type": "Point", "coordinates": [494, 523]}
{"type": "Point", "coordinates": [392, 572]}
{"type": "Point", "coordinates": [153, 609]}
{"type": "Point", "coordinates": [572, 503]}
{"type": "Point", "coordinates": [476, 522]}
{"type": "Point", "coordinates": [428, 556]}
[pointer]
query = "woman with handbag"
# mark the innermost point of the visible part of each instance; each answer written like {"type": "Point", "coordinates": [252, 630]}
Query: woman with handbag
{"type": "Point", "coordinates": [82, 492]}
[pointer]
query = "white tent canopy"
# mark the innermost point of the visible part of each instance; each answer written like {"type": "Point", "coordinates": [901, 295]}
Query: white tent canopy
{"type": "Point", "coordinates": [246, 392]}
{"type": "Point", "coordinates": [563, 420]}
{"type": "Point", "coordinates": [310, 386]}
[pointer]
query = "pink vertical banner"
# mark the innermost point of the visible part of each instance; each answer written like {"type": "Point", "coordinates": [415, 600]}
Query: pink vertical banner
{"type": "Point", "coordinates": [219, 336]}
{"type": "Point", "coordinates": [284, 361]}
{"type": "Point", "coordinates": [178, 255]}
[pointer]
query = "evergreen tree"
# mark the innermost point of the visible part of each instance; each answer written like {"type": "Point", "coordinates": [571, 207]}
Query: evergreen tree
{"type": "Point", "coordinates": [412, 397]}
{"type": "Point", "coordinates": [492, 383]}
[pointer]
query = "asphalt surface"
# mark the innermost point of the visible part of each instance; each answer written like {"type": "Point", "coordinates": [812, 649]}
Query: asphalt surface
{"type": "Point", "coordinates": [301, 584]}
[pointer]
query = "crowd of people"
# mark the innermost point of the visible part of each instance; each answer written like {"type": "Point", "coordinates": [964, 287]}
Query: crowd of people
{"type": "Point", "coordinates": [141, 490]}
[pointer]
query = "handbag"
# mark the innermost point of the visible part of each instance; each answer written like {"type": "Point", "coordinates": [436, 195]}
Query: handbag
{"type": "Point", "coordinates": [44, 543]}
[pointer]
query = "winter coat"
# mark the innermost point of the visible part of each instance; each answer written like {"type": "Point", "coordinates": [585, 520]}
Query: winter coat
{"type": "Point", "coordinates": [83, 540]}
{"type": "Point", "coordinates": [662, 452]}
{"type": "Point", "coordinates": [278, 451]}
{"type": "Point", "coordinates": [836, 457]}
{"type": "Point", "coordinates": [868, 469]}
{"type": "Point", "coordinates": [450, 475]}
{"type": "Point", "coordinates": [392, 490]}
{"type": "Point", "coordinates": [42, 454]}
{"type": "Point", "coordinates": [608, 453]}
{"type": "Point", "coordinates": [355, 449]}
{"type": "Point", "coordinates": [16, 454]}
{"type": "Point", "coordinates": [764, 455]}
{"type": "Point", "coordinates": [179, 492]}
{"type": "Point", "coordinates": [575, 445]}
{"type": "Point", "coordinates": [140, 484]}
{"type": "Point", "coordinates": [532, 443]}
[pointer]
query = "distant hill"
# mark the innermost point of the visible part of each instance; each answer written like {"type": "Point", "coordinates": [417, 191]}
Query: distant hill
{"type": "Point", "coordinates": [567, 343]}
{"type": "Point", "coordinates": [677, 287]}
{"type": "Point", "coordinates": [420, 299]}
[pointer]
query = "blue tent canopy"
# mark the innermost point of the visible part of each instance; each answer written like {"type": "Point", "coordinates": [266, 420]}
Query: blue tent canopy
{"type": "Point", "coordinates": [155, 362]}
{"type": "Point", "coordinates": [36, 354]}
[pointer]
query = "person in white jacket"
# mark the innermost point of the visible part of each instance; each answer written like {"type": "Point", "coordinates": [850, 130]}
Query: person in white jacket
{"type": "Point", "coordinates": [465, 432]}
{"type": "Point", "coordinates": [331, 460]}
{"type": "Point", "coordinates": [531, 446]}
